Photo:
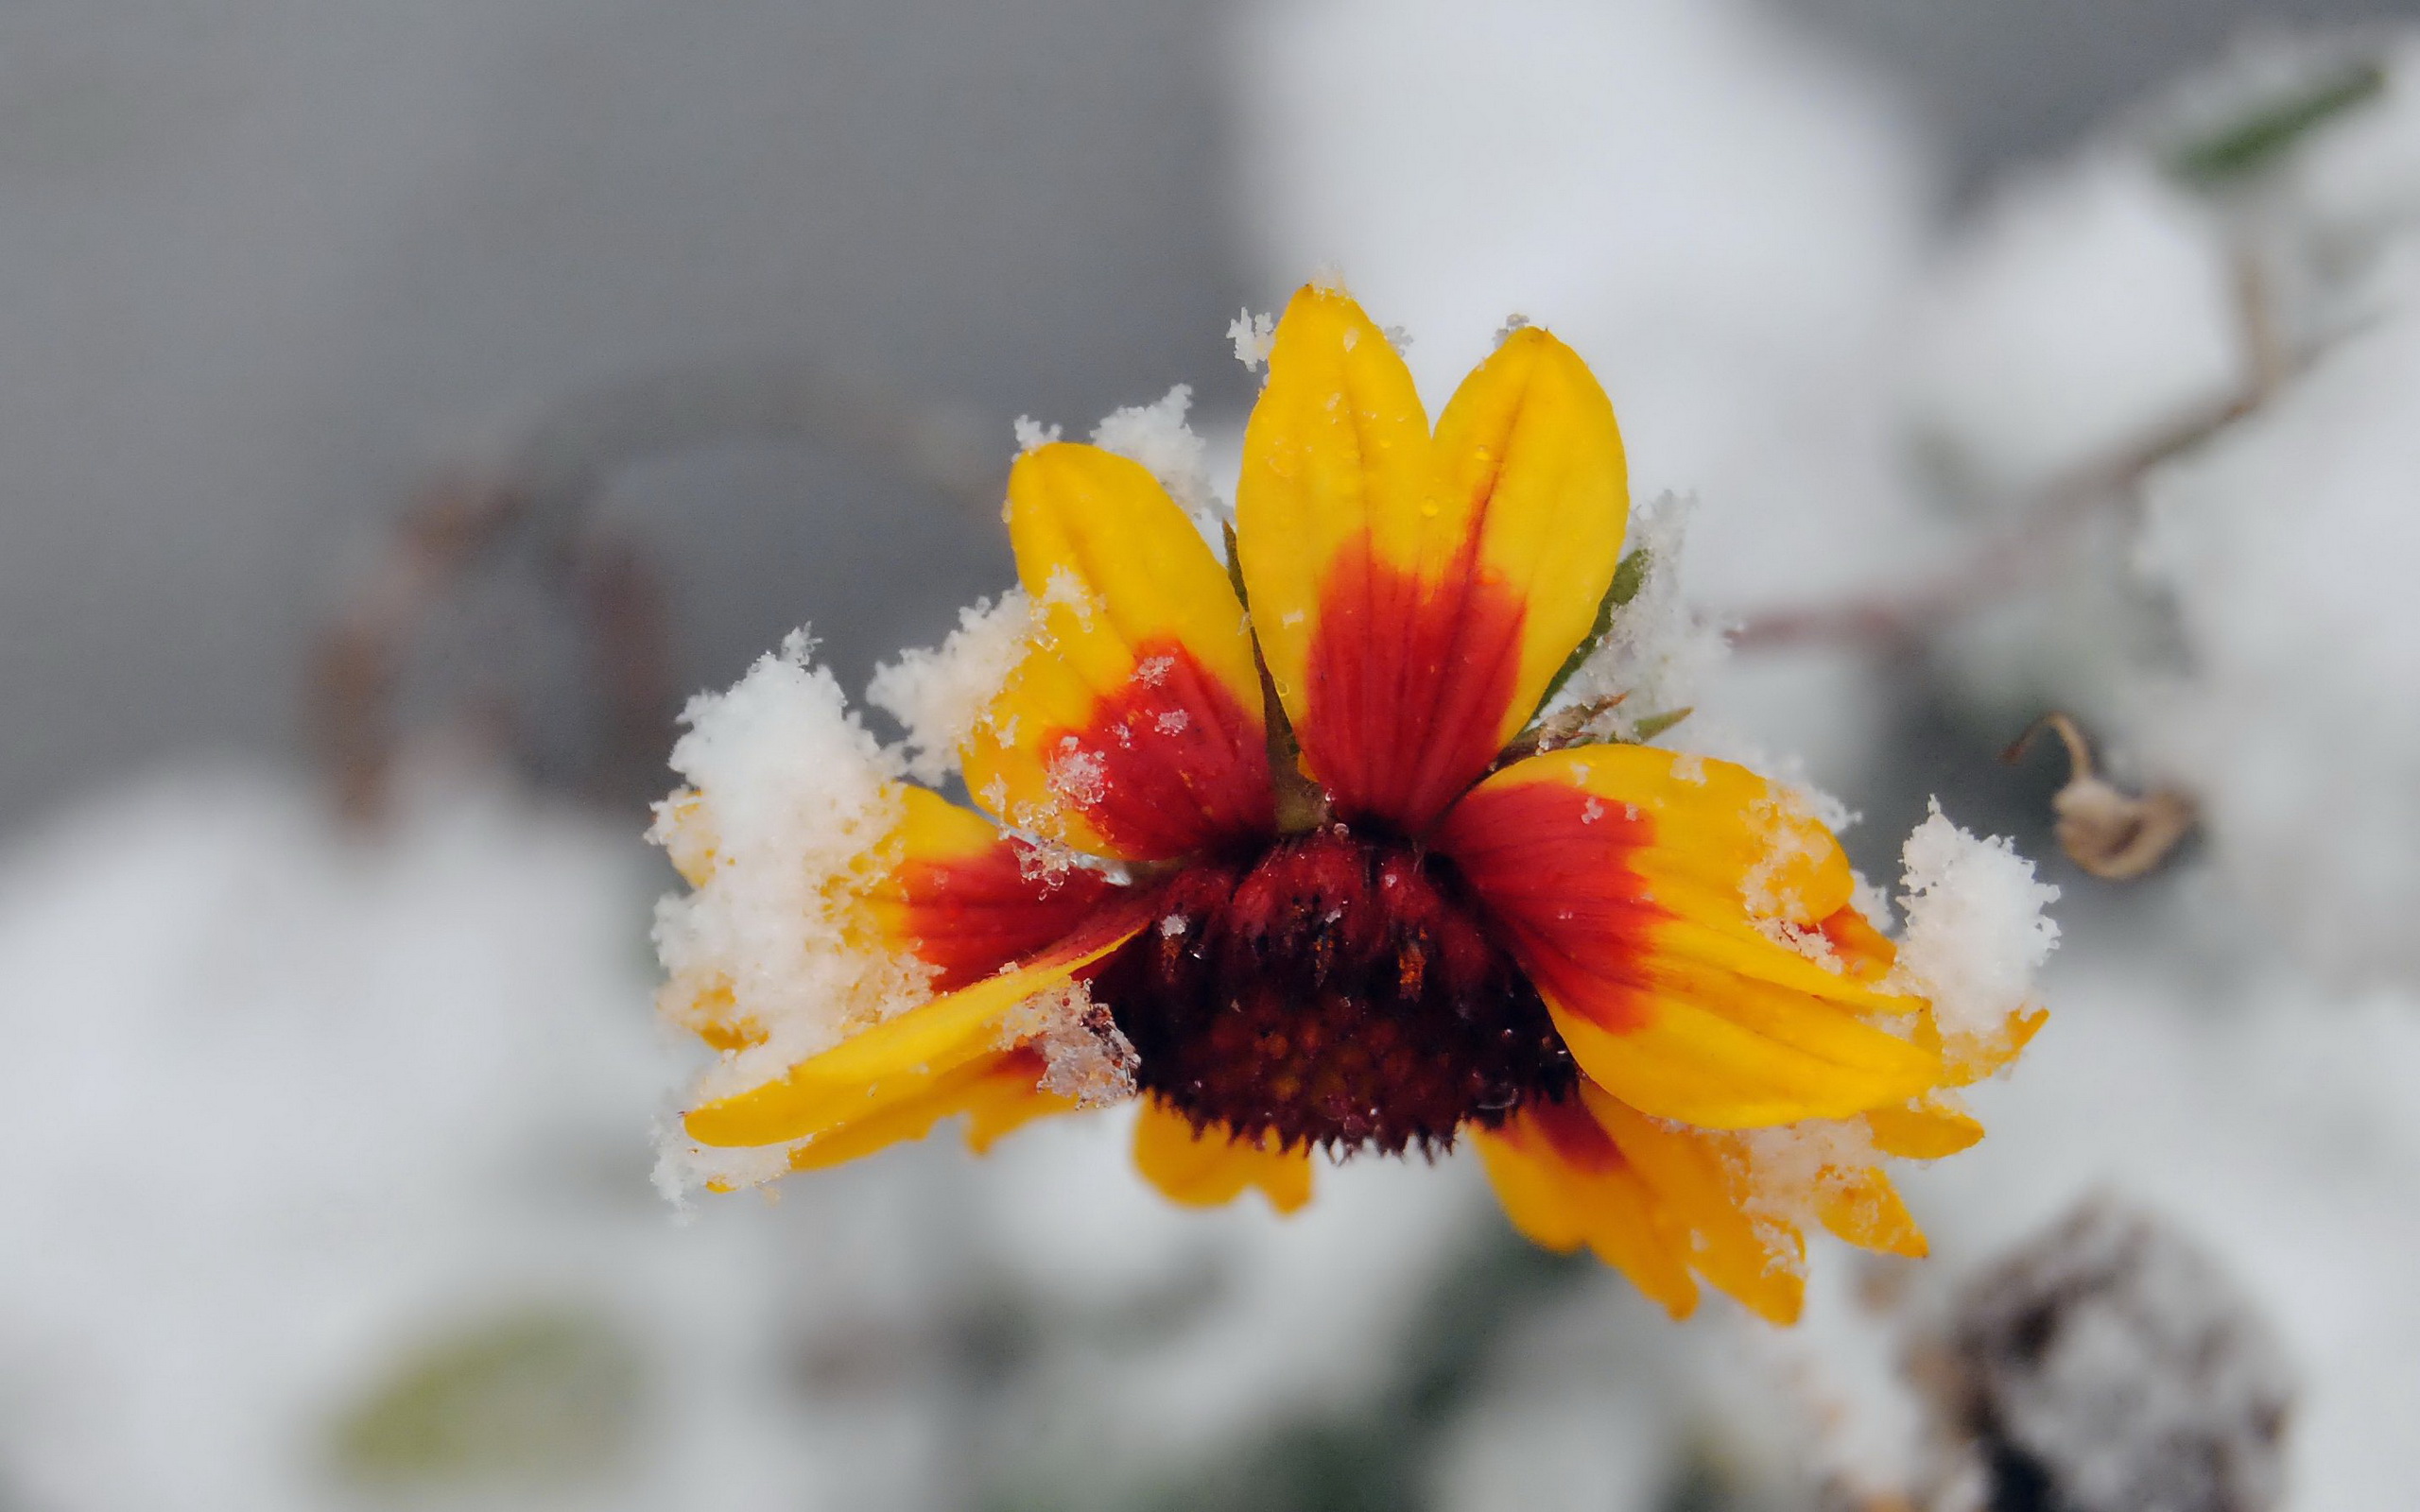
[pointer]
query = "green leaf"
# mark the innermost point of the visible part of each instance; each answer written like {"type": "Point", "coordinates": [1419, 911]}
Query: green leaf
{"type": "Point", "coordinates": [1629, 576]}
{"type": "Point", "coordinates": [2257, 140]}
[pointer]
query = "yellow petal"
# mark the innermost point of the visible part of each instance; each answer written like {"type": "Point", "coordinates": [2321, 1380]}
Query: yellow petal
{"type": "Point", "coordinates": [1561, 1198]}
{"type": "Point", "coordinates": [1925, 1129]}
{"type": "Point", "coordinates": [1211, 1168]}
{"type": "Point", "coordinates": [1762, 1264]}
{"type": "Point", "coordinates": [1132, 725]}
{"type": "Point", "coordinates": [1413, 595]}
{"type": "Point", "coordinates": [1865, 1209]}
{"type": "Point", "coordinates": [999, 1091]}
{"type": "Point", "coordinates": [894, 1062]}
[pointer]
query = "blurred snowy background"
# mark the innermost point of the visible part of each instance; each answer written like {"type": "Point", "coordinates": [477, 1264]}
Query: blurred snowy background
{"type": "Point", "coordinates": [378, 376]}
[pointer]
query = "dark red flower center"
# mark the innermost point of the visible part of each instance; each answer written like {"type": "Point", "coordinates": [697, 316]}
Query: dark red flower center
{"type": "Point", "coordinates": [1335, 989]}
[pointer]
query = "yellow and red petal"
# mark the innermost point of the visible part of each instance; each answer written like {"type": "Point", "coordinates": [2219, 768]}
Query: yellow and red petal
{"type": "Point", "coordinates": [1131, 727]}
{"type": "Point", "coordinates": [908, 1058]}
{"type": "Point", "coordinates": [966, 900]}
{"type": "Point", "coordinates": [1414, 595]}
{"type": "Point", "coordinates": [1669, 909]}
{"type": "Point", "coordinates": [1210, 1168]}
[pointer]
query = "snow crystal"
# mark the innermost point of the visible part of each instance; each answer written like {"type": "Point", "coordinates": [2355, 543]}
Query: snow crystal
{"type": "Point", "coordinates": [1156, 436]}
{"type": "Point", "coordinates": [788, 795]}
{"type": "Point", "coordinates": [1511, 323]}
{"type": "Point", "coordinates": [1976, 930]}
{"type": "Point", "coordinates": [1079, 775]}
{"type": "Point", "coordinates": [1088, 1060]}
{"type": "Point", "coordinates": [1254, 338]}
{"type": "Point", "coordinates": [1033, 435]}
{"type": "Point", "coordinates": [937, 694]}
{"type": "Point", "coordinates": [1067, 590]}
{"type": "Point", "coordinates": [1173, 722]}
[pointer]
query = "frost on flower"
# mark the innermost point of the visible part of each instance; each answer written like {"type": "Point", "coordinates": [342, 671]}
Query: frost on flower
{"type": "Point", "coordinates": [937, 694]}
{"type": "Point", "coordinates": [788, 795]}
{"type": "Point", "coordinates": [1156, 436]}
{"type": "Point", "coordinates": [1085, 1059]}
{"type": "Point", "coordinates": [1976, 927]}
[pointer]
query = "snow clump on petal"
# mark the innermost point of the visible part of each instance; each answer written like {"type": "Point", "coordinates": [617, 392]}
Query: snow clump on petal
{"type": "Point", "coordinates": [1156, 436]}
{"type": "Point", "coordinates": [938, 694]}
{"type": "Point", "coordinates": [789, 805]}
{"type": "Point", "coordinates": [1976, 929]}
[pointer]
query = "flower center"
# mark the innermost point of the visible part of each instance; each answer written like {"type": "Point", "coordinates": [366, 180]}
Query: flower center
{"type": "Point", "coordinates": [1336, 990]}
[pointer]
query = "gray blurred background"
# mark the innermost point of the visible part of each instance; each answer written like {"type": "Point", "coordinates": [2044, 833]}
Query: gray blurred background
{"type": "Point", "coordinates": [268, 265]}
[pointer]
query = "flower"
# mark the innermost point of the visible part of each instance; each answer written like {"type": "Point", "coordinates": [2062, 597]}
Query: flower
{"type": "Point", "coordinates": [1298, 875]}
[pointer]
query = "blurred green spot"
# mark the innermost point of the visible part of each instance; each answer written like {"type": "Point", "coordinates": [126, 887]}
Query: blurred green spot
{"type": "Point", "coordinates": [2257, 139]}
{"type": "Point", "coordinates": [543, 1395]}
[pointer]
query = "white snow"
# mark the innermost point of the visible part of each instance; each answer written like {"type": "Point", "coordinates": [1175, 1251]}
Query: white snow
{"type": "Point", "coordinates": [1254, 338]}
{"type": "Point", "coordinates": [1156, 436]}
{"type": "Point", "coordinates": [1718, 213]}
{"type": "Point", "coordinates": [1977, 930]}
{"type": "Point", "coordinates": [786, 793]}
{"type": "Point", "coordinates": [1086, 1057]}
{"type": "Point", "coordinates": [938, 694]}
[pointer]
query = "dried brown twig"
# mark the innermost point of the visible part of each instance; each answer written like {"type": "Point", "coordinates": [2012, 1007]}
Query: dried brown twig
{"type": "Point", "coordinates": [537, 506]}
{"type": "Point", "coordinates": [2005, 563]}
